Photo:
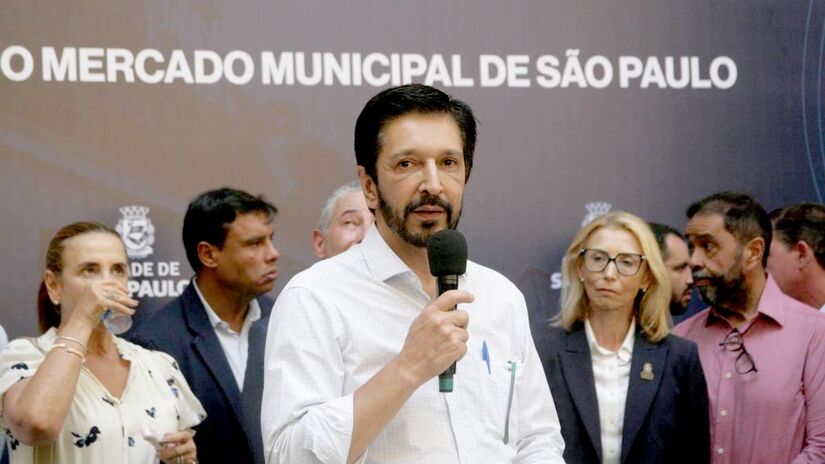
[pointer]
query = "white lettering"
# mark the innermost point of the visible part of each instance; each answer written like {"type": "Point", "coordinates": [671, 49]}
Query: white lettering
{"type": "Point", "coordinates": [247, 67]}
{"type": "Point", "coordinates": [730, 66]}
{"type": "Point", "coordinates": [549, 76]}
{"type": "Point", "coordinates": [492, 70]}
{"type": "Point", "coordinates": [275, 73]}
{"type": "Point", "coordinates": [65, 67]}
{"type": "Point", "coordinates": [630, 67]}
{"type": "Point", "coordinates": [119, 60]}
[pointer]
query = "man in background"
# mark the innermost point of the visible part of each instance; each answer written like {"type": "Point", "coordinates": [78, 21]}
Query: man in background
{"type": "Point", "coordinates": [762, 351]}
{"type": "Point", "coordinates": [344, 220]}
{"type": "Point", "coordinates": [674, 250]}
{"type": "Point", "coordinates": [797, 255]}
{"type": "Point", "coordinates": [227, 235]}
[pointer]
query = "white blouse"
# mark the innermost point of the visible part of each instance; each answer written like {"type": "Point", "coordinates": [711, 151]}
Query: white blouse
{"type": "Point", "coordinates": [99, 426]}
{"type": "Point", "coordinates": [611, 373]}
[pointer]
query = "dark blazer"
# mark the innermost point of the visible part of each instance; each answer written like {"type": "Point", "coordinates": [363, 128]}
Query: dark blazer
{"type": "Point", "coordinates": [665, 419]}
{"type": "Point", "coordinates": [182, 329]}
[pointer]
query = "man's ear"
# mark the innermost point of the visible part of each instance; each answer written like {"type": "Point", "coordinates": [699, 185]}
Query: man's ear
{"type": "Point", "coordinates": [207, 254]}
{"type": "Point", "coordinates": [753, 252]}
{"type": "Point", "coordinates": [318, 243]}
{"type": "Point", "coordinates": [804, 254]}
{"type": "Point", "coordinates": [369, 187]}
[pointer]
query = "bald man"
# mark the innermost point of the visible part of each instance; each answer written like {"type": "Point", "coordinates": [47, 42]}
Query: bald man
{"type": "Point", "coordinates": [344, 220]}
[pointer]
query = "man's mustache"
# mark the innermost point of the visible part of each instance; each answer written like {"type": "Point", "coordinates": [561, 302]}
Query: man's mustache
{"type": "Point", "coordinates": [428, 200]}
{"type": "Point", "coordinates": [697, 275]}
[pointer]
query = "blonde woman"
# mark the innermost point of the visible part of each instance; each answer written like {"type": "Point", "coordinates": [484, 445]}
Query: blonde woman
{"type": "Point", "coordinates": [626, 391]}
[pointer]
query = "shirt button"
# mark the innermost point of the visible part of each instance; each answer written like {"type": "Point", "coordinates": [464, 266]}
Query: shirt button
{"type": "Point", "coordinates": [720, 450]}
{"type": "Point", "coordinates": [727, 376]}
{"type": "Point", "coordinates": [723, 412]}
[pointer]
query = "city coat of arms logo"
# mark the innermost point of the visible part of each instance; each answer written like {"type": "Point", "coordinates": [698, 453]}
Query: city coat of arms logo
{"type": "Point", "coordinates": [136, 230]}
{"type": "Point", "coordinates": [595, 210]}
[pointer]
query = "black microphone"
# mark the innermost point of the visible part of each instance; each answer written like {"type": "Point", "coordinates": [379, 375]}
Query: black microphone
{"type": "Point", "coordinates": [447, 253]}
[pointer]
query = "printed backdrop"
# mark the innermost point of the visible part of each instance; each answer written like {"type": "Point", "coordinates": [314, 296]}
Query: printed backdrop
{"type": "Point", "coordinates": [123, 111]}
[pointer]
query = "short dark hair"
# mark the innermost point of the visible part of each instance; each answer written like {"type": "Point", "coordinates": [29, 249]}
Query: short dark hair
{"type": "Point", "coordinates": [210, 214]}
{"type": "Point", "coordinates": [399, 101]}
{"type": "Point", "coordinates": [805, 221]}
{"type": "Point", "coordinates": [744, 217]}
{"type": "Point", "coordinates": [661, 231]}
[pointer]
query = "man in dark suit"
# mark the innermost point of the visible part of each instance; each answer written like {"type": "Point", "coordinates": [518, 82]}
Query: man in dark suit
{"type": "Point", "coordinates": [216, 329]}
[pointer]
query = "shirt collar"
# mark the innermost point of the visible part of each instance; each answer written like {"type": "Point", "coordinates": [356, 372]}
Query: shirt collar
{"type": "Point", "coordinates": [770, 305]}
{"type": "Point", "coordinates": [625, 351]}
{"type": "Point", "coordinates": [253, 313]}
{"type": "Point", "coordinates": [381, 260]}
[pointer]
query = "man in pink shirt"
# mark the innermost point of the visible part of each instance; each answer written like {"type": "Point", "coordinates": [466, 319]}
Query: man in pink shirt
{"type": "Point", "coordinates": [763, 352]}
{"type": "Point", "coordinates": [797, 254]}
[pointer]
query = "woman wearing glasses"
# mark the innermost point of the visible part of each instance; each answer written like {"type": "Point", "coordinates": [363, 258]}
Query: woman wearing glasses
{"type": "Point", "coordinates": [626, 391]}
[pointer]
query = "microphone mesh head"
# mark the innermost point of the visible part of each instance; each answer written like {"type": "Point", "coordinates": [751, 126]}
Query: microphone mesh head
{"type": "Point", "coordinates": [447, 253]}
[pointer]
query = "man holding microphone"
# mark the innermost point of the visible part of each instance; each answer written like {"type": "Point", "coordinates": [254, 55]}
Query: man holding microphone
{"type": "Point", "coordinates": [357, 341]}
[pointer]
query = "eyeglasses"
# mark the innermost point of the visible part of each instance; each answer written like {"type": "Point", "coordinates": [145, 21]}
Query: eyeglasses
{"type": "Point", "coordinates": [597, 261]}
{"type": "Point", "coordinates": [744, 363]}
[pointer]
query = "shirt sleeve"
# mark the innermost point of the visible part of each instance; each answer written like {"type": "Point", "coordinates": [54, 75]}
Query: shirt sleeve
{"type": "Point", "coordinates": [18, 361]}
{"type": "Point", "coordinates": [190, 410]}
{"type": "Point", "coordinates": [813, 380]}
{"type": "Point", "coordinates": [305, 417]}
{"type": "Point", "coordinates": [540, 439]}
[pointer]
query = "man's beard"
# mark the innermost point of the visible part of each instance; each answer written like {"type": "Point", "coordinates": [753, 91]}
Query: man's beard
{"type": "Point", "coordinates": [727, 291]}
{"type": "Point", "coordinates": [398, 223]}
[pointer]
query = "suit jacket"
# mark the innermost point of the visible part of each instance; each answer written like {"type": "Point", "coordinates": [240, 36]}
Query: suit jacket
{"type": "Point", "coordinates": [230, 433]}
{"type": "Point", "coordinates": [665, 418]}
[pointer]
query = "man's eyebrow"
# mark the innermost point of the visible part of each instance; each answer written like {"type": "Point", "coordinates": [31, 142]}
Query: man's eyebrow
{"type": "Point", "coordinates": [350, 211]}
{"type": "Point", "coordinates": [255, 239]}
{"type": "Point", "coordinates": [704, 236]}
{"type": "Point", "coordinates": [401, 153]}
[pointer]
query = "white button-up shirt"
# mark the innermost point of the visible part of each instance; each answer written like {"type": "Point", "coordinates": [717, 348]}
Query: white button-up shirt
{"type": "Point", "coordinates": [611, 373]}
{"type": "Point", "coordinates": [235, 345]}
{"type": "Point", "coordinates": [338, 323]}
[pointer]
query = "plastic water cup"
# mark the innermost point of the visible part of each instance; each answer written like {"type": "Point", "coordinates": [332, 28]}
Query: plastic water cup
{"type": "Point", "coordinates": [116, 323]}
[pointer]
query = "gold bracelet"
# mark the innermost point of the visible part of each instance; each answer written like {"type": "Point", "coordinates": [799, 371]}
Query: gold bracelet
{"type": "Point", "coordinates": [69, 349]}
{"type": "Point", "coordinates": [72, 339]}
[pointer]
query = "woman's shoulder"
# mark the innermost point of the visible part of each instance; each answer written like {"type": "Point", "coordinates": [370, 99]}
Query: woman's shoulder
{"type": "Point", "coordinates": [146, 355]}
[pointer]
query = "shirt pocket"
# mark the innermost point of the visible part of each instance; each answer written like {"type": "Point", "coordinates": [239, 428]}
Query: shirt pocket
{"type": "Point", "coordinates": [498, 395]}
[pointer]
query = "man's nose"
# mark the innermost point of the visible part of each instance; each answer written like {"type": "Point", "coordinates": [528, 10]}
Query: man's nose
{"type": "Point", "coordinates": [272, 253]}
{"type": "Point", "coordinates": [432, 179]}
{"type": "Point", "coordinates": [695, 261]}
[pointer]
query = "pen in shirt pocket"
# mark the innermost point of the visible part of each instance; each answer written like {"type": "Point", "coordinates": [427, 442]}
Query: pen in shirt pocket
{"type": "Point", "coordinates": [485, 355]}
{"type": "Point", "coordinates": [513, 366]}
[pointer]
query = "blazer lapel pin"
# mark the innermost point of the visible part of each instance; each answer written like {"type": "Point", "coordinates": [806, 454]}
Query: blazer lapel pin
{"type": "Point", "coordinates": [647, 371]}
